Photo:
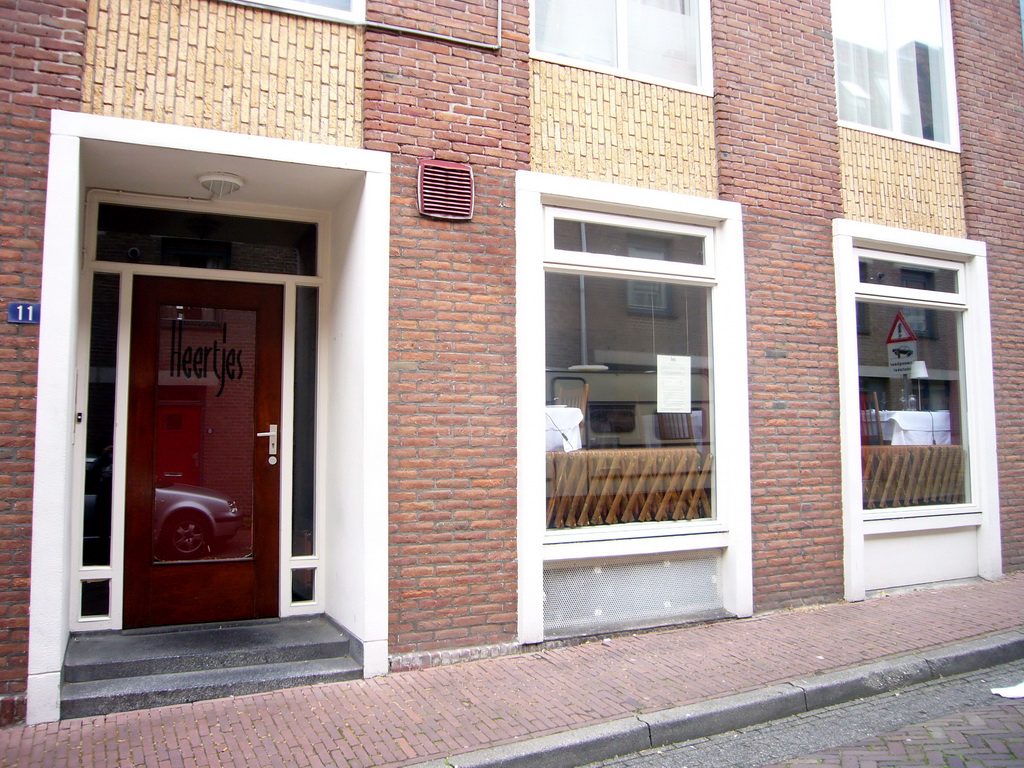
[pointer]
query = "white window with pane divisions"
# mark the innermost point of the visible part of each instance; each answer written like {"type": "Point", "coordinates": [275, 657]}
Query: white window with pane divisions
{"type": "Point", "coordinates": [351, 11]}
{"type": "Point", "coordinates": [920, 482]}
{"type": "Point", "coordinates": [642, 335]}
{"type": "Point", "coordinates": [894, 68]}
{"type": "Point", "coordinates": [659, 41]}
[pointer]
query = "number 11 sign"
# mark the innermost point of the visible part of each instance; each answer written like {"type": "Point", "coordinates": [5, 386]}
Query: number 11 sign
{"type": "Point", "coordinates": [23, 312]}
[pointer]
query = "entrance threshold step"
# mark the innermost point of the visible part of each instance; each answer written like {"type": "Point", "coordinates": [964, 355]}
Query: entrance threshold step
{"type": "Point", "coordinates": [104, 655]}
{"type": "Point", "coordinates": [127, 693]}
{"type": "Point", "coordinates": [134, 669]}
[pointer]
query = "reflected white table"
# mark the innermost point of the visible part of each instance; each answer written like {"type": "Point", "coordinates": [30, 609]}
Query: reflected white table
{"type": "Point", "coordinates": [562, 428]}
{"type": "Point", "coordinates": [916, 427]}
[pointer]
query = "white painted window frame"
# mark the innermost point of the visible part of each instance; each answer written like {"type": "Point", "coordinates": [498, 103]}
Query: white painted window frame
{"type": "Point", "coordinates": [704, 86]}
{"type": "Point", "coordinates": [311, 9]}
{"type": "Point", "coordinates": [968, 258]}
{"type": "Point", "coordinates": [949, 72]}
{"type": "Point", "coordinates": [538, 198]}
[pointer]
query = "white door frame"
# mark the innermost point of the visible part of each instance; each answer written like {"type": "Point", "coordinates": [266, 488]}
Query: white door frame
{"type": "Point", "coordinates": [347, 189]}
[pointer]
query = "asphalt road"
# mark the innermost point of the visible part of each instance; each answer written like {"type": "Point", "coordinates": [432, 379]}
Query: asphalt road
{"type": "Point", "coordinates": [955, 723]}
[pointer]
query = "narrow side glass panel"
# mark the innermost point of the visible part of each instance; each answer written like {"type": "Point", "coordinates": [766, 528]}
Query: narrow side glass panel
{"type": "Point", "coordinates": [629, 415]}
{"type": "Point", "coordinates": [99, 435]}
{"type": "Point", "coordinates": [307, 301]}
{"type": "Point", "coordinates": [95, 598]}
{"type": "Point", "coordinates": [303, 585]}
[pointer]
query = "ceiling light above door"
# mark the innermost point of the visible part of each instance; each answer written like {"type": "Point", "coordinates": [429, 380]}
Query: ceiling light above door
{"type": "Point", "coordinates": [220, 184]}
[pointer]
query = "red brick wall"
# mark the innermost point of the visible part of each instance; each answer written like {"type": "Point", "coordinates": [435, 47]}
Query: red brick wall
{"type": "Point", "coordinates": [452, 361]}
{"type": "Point", "coordinates": [775, 116]}
{"type": "Point", "coordinates": [41, 49]}
{"type": "Point", "coordinates": [989, 61]}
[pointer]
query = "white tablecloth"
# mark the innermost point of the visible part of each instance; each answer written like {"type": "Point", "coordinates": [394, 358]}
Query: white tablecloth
{"type": "Point", "coordinates": [916, 427]}
{"type": "Point", "coordinates": [562, 428]}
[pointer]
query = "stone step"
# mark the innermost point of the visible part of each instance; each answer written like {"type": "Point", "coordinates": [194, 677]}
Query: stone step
{"type": "Point", "coordinates": [103, 655]}
{"type": "Point", "coordinates": [118, 671]}
{"type": "Point", "coordinates": [100, 697]}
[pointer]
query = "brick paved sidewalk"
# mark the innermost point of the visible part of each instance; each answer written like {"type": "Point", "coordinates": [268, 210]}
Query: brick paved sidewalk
{"type": "Point", "coordinates": [410, 717]}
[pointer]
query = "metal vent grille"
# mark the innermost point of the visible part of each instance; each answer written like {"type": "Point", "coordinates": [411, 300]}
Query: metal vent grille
{"type": "Point", "coordinates": [445, 190]}
{"type": "Point", "coordinates": [593, 597]}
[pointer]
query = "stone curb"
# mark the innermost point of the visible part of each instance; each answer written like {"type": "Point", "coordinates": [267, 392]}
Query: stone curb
{"type": "Point", "coordinates": [628, 735]}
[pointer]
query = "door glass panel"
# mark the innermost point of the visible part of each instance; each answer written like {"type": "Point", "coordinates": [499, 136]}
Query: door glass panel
{"type": "Point", "coordinates": [99, 436]}
{"type": "Point", "coordinates": [95, 600]}
{"type": "Point", "coordinates": [303, 581]}
{"type": "Point", "coordinates": [133, 235]}
{"type": "Point", "coordinates": [304, 471]}
{"type": "Point", "coordinates": [205, 434]}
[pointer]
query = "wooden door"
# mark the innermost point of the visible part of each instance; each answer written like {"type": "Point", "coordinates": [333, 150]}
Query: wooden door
{"type": "Point", "coordinates": [203, 479]}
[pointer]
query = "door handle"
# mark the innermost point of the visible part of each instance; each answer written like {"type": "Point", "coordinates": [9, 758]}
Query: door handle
{"type": "Point", "coordinates": [272, 447]}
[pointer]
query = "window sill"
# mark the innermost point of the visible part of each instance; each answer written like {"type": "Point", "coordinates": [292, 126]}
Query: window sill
{"type": "Point", "coordinates": [634, 539]}
{"type": "Point", "coordinates": [907, 520]}
{"type": "Point", "coordinates": [623, 74]}
{"type": "Point", "coordinates": [953, 146]}
{"type": "Point", "coordinates": [307, 10]}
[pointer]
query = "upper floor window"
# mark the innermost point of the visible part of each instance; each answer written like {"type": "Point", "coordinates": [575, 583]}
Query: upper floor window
{"type": "Point", "coordinates": [894, 66]}
{"type": "Point", "coordinates": [658, 40]}
{"type": "Point", "coordinates": [337, 10]}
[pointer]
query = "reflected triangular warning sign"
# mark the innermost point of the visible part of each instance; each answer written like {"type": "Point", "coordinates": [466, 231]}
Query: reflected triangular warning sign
{"type": "Point", "coordinates": [900, 330]}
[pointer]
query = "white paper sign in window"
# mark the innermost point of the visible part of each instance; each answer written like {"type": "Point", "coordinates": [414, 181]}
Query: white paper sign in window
{"type": "Point", "coordinates": [674, 384]}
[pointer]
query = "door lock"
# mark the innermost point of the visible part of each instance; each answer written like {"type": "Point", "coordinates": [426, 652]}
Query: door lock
{"type": "Point", "coordinates": [272, 446]}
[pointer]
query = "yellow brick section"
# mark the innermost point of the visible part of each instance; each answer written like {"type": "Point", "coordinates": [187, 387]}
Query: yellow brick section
{"type": "Point", "coordinates": [226, 67]}
{"type": "Point", "coordinates": [594, 126]}
{"type": "Point", "coordinates": [901, 184]}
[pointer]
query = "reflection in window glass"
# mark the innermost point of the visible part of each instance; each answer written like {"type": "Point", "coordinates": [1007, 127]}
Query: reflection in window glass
{"type": "Point", "coordinates": [662, 39]}
{"type": "Point", "coordinates": [587, 237]}
{"type": "Point", "coordinates": [891, 273]}
{"type": "Point", "coordinates": [656, 38]}
{"type": "Point", "coordinates": [912, 417]}
{"type": "Point", "coordinates": [891, 66]}
{"type": "Point", "coordinates": [579, 29]}
{"type": "Point", "coordinates": [629, 416]}
{"type": "Point", "coordinates": [862, 66]}
{"type": "Point", "coordinates": [204, 432]}
{"type": "Point", "coordinates": [133, 235]}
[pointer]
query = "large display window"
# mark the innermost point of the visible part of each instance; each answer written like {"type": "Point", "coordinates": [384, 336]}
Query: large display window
{"type": "Point", "coordinates": [920, 480]}
{"type": "Point", "coordinates": [910, 379]}
{"type": "Point", "coordinates": [632, 404]}
{"type": "Point", "coordinates": [629, 410]}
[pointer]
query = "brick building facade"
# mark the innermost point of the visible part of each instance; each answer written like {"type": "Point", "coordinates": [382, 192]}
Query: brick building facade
{"type": "Point", "coordinates": [784, 304]}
